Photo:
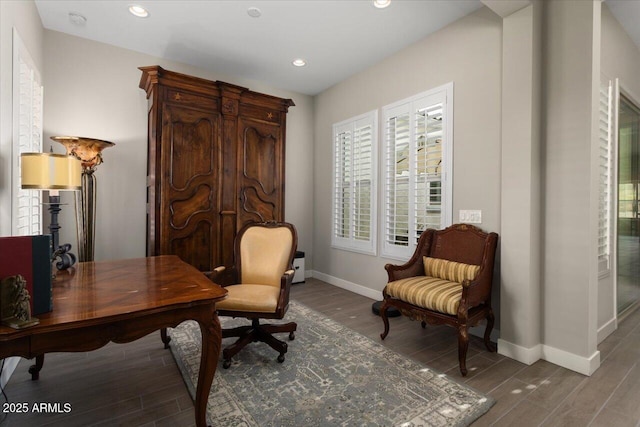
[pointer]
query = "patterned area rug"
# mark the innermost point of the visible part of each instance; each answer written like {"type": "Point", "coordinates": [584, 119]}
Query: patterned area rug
{"type": "Point", "coordinates": [332, 376]}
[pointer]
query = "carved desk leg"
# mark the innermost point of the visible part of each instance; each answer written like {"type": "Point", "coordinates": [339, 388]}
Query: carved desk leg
{"type": "Point", "coordinates": [211, 343]}
{"type": "Point", "coordinates": [34, 370]}
{"type": "Point", "coordinates": [166, 339]}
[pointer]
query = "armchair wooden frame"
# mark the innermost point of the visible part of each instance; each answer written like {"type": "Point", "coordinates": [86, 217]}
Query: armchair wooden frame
{"type": "Point", "coordinates": [460, 243]}
{"type": "Point", "coordinates": [226, 276]}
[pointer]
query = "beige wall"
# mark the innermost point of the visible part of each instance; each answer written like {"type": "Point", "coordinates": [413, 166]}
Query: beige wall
{"type": "Point", "coordinates": [467, 53]}
{"type": "Point", "coordinates": [570, 215]}
{"type": "Point", "coordinates": [91, 89]}
{"type": "Point", "coordinates": [520, 198]}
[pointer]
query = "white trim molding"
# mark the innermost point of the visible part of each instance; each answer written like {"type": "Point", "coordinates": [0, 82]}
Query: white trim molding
{"type": "Point", "coordinates": [525, 355]}
{"type": "Point", "coordinates": [607, 329]}
{"type": "Point", "coordinates": [579, 364]}
{"type": "Point", "coordinates": [349, 286]}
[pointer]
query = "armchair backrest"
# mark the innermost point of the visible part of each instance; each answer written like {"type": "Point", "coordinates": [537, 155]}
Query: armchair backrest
{"type": "Point", "coordinates": [466, 244]}
{"type": "Point", "coordinates": [264, 251]}
{"type": "Point", "coordinates": [462, 243]}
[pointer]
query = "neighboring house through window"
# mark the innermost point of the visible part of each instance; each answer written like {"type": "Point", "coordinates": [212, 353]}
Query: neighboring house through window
{"type": "Point", "coordinates": [417, 168]}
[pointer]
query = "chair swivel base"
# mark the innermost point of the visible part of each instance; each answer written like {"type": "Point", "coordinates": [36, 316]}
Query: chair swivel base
{"type": "Point", "coordinates": [254, 333]}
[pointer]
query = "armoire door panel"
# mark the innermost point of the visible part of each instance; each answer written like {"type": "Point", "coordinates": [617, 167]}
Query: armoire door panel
{"type": "Point", "coordinates": [191, 139]}
{"type": "Point", "coordinates": [260, 177]}
{"type": "Point", "coordinates": [256, 208]}
{"type": "Point", "coordinates": [184, 210]}
{"type": "Point", "coordinates": [260, 159]}
{"type": "Point", "coordinates": [189, 203]}
{"type": "Point", "coordinates": [197, 248]}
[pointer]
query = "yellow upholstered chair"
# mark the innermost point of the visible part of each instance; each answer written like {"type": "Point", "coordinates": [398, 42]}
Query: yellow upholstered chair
{"type": "Point", "coordinates": [447, 281]}
{"type": "Point", "coordinates": [258, 285]}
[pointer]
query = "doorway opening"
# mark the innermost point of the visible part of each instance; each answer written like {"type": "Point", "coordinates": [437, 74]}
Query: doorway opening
{"type": "Point", "coordinates": [628, 247]}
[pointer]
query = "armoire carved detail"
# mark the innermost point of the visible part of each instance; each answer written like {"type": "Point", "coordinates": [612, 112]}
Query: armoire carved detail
{"type": "Point", "coordinates": [215, 161]}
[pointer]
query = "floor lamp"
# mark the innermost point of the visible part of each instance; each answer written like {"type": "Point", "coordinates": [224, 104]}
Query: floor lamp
{"type": "Point", "coordinates": [89, 152]}
{"type": "Point", "coordinates": [53, 172]}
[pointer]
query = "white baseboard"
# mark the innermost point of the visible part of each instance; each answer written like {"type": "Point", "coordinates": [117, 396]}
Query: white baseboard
{"type": "Point", "coordinates": [579, 364]}
{"type": "Point", "coordinates": [607, 329]}
{"type": "Point", "coordinates": [525, 355]}
{"type": "Point", "coordinates": [350, 286]}
{"type": "Point", "coordinates": [582, 365]}
{"type": "Point", "coordinates": [10, 365]}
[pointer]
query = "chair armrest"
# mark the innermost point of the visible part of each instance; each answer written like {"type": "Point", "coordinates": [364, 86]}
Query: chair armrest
{"type": "Point", "coordinates": [223, 276]}
{"type": "Point", "coordinates": [474, 293]}
{"type": "Point", "coordinates": [415, 265]}
{"type": "Point", "coordinates": [285, 288]}
{"type": "Point", "coordinates": [410, 269]}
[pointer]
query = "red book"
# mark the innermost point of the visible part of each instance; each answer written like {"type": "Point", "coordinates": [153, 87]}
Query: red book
{"type": "Point", "coordinates": [29, 256]}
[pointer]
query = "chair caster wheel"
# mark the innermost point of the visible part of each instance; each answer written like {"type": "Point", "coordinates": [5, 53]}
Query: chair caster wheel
{"type": "Point", "coordinates": [226, 364]}
{"type": "Point", "coordinates": [281, 358]}
{"type": "Point", "coordinates": [292, 336]}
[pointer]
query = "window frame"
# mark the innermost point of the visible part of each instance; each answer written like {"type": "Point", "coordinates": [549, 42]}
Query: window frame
{"type": "Point", "coordinates": [351, 243]}
{"type": "Point", "coordinates": [441, 94]}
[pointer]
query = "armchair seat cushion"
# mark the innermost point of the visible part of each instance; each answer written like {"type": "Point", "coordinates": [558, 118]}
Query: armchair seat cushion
{"type": "Point", "coordinates": [247, 297]}
{"type": "Point", "coordinates": [427, 292]}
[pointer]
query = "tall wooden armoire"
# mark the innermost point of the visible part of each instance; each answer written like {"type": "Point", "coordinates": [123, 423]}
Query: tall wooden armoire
{"type": "Point", "coordinates": [215, 162]}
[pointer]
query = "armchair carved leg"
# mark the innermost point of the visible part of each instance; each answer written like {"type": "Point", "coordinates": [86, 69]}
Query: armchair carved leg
{"type": "Point", "coordinates": [487, 332]}
{"type": "Point", "coordinates": [463, 345]}
{"type": "Point", "coordinates": [385, 320]}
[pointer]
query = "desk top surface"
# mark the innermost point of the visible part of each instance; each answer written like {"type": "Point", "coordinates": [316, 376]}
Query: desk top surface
{"type": "Point", "coordinates": [94, 291]}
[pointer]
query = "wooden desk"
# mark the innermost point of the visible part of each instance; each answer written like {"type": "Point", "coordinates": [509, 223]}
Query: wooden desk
{"type": "Point", "coordinates": [122, 301]}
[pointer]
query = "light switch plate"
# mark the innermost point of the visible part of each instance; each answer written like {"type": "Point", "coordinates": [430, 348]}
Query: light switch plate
{"type": "Point", "coordinates": [471, 216]}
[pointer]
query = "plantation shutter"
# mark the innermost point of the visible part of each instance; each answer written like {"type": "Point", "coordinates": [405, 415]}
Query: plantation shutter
{"type": "Point", "coordinates": [397, 165]}
{"type": "Point", "coordinates": [428, 168]}
{"type": "Point", "coordinates": [604, 152]}
{"type": "Point", "coordinates": [354, 184]}
{"type": "Point", "coordinates": [27, 108]}
{"type": "Point", "coordinates": [342, 187]}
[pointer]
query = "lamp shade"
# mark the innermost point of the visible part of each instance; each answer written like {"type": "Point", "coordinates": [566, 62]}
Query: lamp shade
{"type": "Point", "coordinates": [49, 171]}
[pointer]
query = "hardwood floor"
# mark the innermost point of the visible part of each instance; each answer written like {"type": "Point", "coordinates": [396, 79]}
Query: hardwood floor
{"type": "Point", "coordinates": [138, 384]}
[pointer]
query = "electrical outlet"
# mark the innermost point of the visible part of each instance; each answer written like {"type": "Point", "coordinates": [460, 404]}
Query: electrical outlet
{"type": "Point", "coordinates": [470, 216]}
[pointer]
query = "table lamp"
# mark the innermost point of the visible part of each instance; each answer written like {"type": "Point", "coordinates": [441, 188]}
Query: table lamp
{"type": "Point", "coordinates": [53, 172]}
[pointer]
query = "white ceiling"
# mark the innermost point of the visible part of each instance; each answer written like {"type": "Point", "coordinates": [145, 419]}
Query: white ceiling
{"type": "Point", "coordinates": [627, 12]}
{"type": "Point", "coordinates": [337, 38]}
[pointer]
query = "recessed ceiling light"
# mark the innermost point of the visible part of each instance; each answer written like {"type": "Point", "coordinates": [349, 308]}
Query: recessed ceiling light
{"type": "Point", "coordinates": [299, 62]}
{"type": "Point", "coordinates": [254, 12]}
{"type": "Point", "coordinates": [381, 4]}
{"type": "Point", "coordinates": [77, 19]}
{"type": "Point", "coordinates": [138, 11]}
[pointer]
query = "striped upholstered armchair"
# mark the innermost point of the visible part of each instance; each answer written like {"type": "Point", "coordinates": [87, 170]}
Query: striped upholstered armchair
{"type": "Point", "coordinates": [446, 281]}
